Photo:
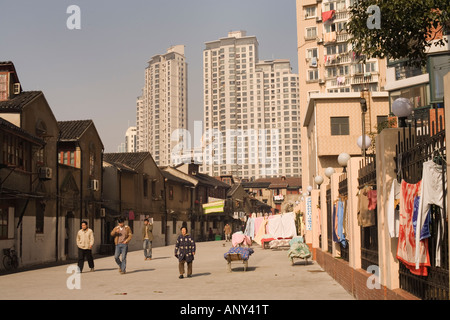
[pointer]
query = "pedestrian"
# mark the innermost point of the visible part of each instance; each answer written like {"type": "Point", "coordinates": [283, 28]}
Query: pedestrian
{"type": "Point", "coordinates": [210, 235]}
{"type": "Point", "coordinates": [227, 231]}
{"type": "Point", "coordinates": [122, 235]}
{"type": "Point", "coordinates": [185, 252]}
{"type": "Point", "coordinates": [147, 236]}
{"type": "Point", "coordinates": [85, 242]}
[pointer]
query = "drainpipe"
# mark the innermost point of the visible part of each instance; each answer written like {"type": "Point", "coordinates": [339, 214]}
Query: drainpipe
{"type": "Point", "coordinates": [57, 198]}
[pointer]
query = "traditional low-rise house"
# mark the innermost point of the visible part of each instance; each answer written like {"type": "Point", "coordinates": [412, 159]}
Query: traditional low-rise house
{"type": "Point", "coordinates": [80, 153]}
{"type": "Point", "coordinates": [134, 190]}
{"type": "Point", "coordinates": [35, 217]}
{"type": "Point", "coordinates": [279, 193]}
{"type": "Point", "coordinates": [179, 195]}
{"type": "Point", "coordinates": [208, 191]}
{"type": "Point", "coordinates": [16, 174]}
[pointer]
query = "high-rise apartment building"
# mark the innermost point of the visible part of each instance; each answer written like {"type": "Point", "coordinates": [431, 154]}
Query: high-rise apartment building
{"type": "Point", "coordinates": [162, 107]}
{"type": "Point", "coordinates": [251, 111]}
{"type": "Point", "coordinates": [130, 139]}
{"type": "Point", "coordinates": [328, 66]}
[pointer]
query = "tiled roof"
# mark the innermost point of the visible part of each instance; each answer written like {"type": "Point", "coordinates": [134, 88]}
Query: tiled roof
{"type": "Point", "coordinates": [4, 124]}
{"type": "Point", "coordinates": [173, 178]}
{"type": "Point", "coordinates": [130, 159]}
{"type": "Point", "coordinates": [208, 180]}
{"type": "Point", "coordinates": [19, 101]}
{"type": "Point", "coordinates": [274, 183]}
{"type": "Point", "coordinates": [73, 130]}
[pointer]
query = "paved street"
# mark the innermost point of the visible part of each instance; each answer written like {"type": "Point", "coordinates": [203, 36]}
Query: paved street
{"type": "Point", "coordinates": [270, 276]}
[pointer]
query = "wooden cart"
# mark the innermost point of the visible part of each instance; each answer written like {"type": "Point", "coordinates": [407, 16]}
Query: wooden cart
{"type": "Point", "coordinates": [231, 257]}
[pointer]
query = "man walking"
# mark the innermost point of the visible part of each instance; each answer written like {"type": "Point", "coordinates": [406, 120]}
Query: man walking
{"type": "Point", "coordinates": [227, 231]}
{"type": "Point", "coordinates": [85, 242]}
{"type": "Point", "coordinates": [122, 235]}
{"type": "Point", "coordinates": [147, 236]}
{"type": "Point", "coordinates": [185, 251]}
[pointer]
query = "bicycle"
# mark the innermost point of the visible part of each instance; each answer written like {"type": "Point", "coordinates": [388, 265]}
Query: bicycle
{"type": "Point", "coordinates": [10, 259]}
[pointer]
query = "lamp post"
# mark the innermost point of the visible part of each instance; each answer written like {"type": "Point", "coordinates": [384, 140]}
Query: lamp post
{"type": "Point", "coordinates": [318, 180]}
{"type": "Point", "coordinates": [363, 104]}
{"type": "Point", "coordinates": [329, 172]}
{"type": "Point", "coordinates": [343, 160]}
{"type": "Point", "coordinates": [402, 108]}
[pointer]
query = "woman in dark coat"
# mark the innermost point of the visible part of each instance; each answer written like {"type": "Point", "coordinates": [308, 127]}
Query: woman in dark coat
{"type": "Point", "coordinates": [185, 251]}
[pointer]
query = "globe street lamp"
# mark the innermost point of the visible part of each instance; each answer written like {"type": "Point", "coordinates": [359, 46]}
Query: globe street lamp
{"type": "Point", "coordinates": [402, 108]}
{"type": "Point", "coordinates": [366, 143]}
{"type": "Point", "coordinates": [343, 160]}
{"type": "Point", "coordinates": [318, 180]}
{"type": "Point", "coordinates": [329, 172]}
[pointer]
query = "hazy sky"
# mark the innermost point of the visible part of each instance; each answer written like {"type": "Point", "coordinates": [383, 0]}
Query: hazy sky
{"type": "Point", "coordinates": [98, 72]}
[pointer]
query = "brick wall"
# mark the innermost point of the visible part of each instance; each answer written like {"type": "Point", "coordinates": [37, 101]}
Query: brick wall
{"type": "Point", "coordinates": [355, 281]}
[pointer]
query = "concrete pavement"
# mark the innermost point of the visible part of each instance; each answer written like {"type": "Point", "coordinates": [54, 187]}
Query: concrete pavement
{"type": "Point", "coordinates": [270, 276]}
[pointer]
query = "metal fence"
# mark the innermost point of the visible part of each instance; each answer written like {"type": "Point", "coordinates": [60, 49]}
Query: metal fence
{"type": "Point", "coordinates": [343, 194]}
{"type": "Point", "coordinates": [421, 142]}
{"type": "Point", "coordinates": [329, 221]}
{"type": "Point", "coordinates": [367, 176]}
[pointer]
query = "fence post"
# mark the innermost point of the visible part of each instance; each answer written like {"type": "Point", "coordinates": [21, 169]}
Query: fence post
{"type": "Point", "coordinates": [352, 203]}
{"type": "Point", "coordinates": [385, 144]}
{"type": "Point", "coordinates": [315, 219]}
{"type": "Point", "coordinates": [334, 196]}
{"type": "Point", "coordinates": [323, 217]}
{"type": "Point", "coordinates": [447, 133]}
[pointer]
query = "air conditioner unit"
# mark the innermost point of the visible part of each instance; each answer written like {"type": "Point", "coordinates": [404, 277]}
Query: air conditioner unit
{"type": "Point", "coordinates": [95, 185]}
{"type": "Point", "coordinates": [318, 19]}
{"type": "Point", "coordinates": [45, 173]}
{"type": "Point", "coordinates": [321, 81]}
{"type": "Point", "coordinates": [17, 88]}
{"type": "Point", "coordinates": [319, 40]}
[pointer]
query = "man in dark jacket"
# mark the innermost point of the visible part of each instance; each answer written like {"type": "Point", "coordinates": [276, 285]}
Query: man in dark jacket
{"type": "Point", "coordinates": [185, 251]}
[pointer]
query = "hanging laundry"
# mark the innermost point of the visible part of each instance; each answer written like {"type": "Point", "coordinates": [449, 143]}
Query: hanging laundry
{"type": "Point", "coordinates": [406, 242]}
{"type": "Point", "coordinates": [250, 228]}
{"type": "Point", "coordinates": [346, 221]}
{"type": "Point", "coordinates": [372, 195]}
{"type": "Point", "coordinates": [432, 193]}
{"type": "Point", "coordinates": [366, 217]}
{"type": "Point", "coordinates": [425, 232]}
{"type": "Point", "coordinates": [328, 15]}
{"type": "Point", "coordinates": [338, 223]}
{"type": "Point", "coordinates": [393, 209]}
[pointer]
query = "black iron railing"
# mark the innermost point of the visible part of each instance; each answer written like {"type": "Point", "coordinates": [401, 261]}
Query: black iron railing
{"type": "Point", "coordinates": [422, 142]}
{"type": "Point", "coordinates": [329, 222]}
{"type": "Point", "coordinates": [343, 194]}
{"type": "Point", "coordinates": [367, 176]}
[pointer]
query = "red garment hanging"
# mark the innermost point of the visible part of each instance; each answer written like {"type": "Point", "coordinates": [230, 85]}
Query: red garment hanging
{"type": "Point", "coordinates": [327, 15]}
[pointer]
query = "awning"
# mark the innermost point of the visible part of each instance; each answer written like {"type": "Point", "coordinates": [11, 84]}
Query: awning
{"type": "Point", "coordinates": [214, 207]}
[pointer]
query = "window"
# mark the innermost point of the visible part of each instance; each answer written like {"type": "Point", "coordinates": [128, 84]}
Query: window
{"type": "Point", "coordinates": [153, 189]}
{"type": "Point", "coordinates": [331, 50]}
{"type": "Point", "coordinates": [310, 12]}
{"type": "Point", "coordinates": [170, 192]}
{"type": "Point", "coordinates": [311, 53]}
{"type": "Point", "coordinates": [3, 87]}
{"type": "Point", "coordinates": [340, 126]}
{"type": "Point", "coordinates": [40, 213]}
{"type": "Point", "coordinates": [311, 33]}
{"type": "Point", "coordinates": [3, 223]}
{"type": "Point", "coordinates": [313, 75]}
{"type": "Point", "coordinates": [145, 187]}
